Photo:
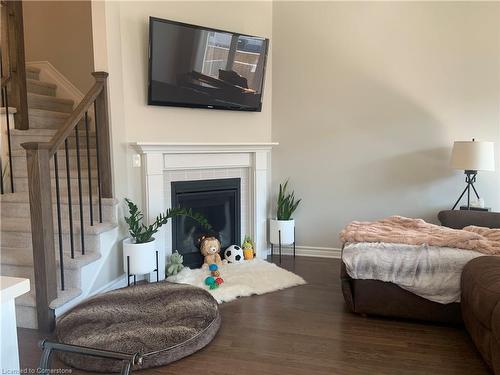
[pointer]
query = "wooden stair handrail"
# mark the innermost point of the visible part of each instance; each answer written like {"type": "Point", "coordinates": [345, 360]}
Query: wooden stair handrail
{"type": "Point", "coordinates": [78, 113]}
{"type": "Point", "coordinates": [39, 155]}
{"type": "Point", "coordinates": [13, 61]}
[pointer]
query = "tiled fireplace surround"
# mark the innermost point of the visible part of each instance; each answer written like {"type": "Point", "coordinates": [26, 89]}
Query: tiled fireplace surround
{"type": "Point", "coordinates": [163, 163]}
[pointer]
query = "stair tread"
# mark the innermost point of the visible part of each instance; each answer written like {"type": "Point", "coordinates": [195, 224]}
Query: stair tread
{"type": "Point", "coordinates": [72, 153]}
{"type": "Point", "coordinates": [63, 296]}
{"type": "Point", "coordinates": [50, 98]}
{"type": "Point", "coordinates": [23, 257]}
{"type": "Point", "coordinates": [23, 197]}
{"type": "Point", "coordinates": [41, 83]}
{"type": "Point", "coordinates": [43, 132]}
{"type": "Point", "coordinates": [23, 225]}
{"type": "Point", "coordinates": [73, 172]}
{"type": "Point", "coordinates": [33, 69]}
{"type": "Point", "coordinates": [46, 113]}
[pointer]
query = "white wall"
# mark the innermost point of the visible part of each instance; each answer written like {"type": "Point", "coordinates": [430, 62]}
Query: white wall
{"type": "Point", "coordinates": [367, 101]}
{"type": "Point", "coordinates": [120, 31]}
{"type": "Point", "coordinates": [61, 32]}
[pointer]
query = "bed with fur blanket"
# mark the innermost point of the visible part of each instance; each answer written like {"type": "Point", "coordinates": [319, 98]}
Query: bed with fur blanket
{"type": "Point", "coordinates": [419, 259]}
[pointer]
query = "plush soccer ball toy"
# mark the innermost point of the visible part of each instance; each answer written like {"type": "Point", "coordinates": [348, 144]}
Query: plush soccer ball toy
{"type": "Point", "coordinates": [234, 254]}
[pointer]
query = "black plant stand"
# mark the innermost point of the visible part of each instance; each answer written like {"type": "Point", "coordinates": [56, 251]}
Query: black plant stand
{"type": "Point", "coordinates": [155, 270]}
{"type": "Point", "coordinates": [279, 245]}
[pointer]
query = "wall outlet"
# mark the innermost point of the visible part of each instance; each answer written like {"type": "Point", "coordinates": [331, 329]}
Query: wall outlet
{"type": "Point", "coordinates": [136, 161]}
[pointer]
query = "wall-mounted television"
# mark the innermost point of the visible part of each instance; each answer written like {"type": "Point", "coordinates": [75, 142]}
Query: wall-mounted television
{"type": "Point", "coordinates": [201, 67]}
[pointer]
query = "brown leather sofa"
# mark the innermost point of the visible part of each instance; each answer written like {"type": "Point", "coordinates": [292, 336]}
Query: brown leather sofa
{"type": "Point", "coordinates": [479, 309]}
{"type": "Point", "coordinates": [374, 297]}
{"type": "Point", "coordinates": [481, 306]}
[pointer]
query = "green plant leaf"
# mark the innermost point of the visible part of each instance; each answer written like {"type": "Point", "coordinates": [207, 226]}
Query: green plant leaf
{"type": "Point", "coordinates": [286, 203]}
{"type": "Point", "coordinates": [142, 233]}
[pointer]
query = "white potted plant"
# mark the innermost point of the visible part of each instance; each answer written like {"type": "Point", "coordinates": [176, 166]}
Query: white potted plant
{"type": "Point", "coordinates": [140, 247]}
{"type": "Point", "coordinates": [284, 225]}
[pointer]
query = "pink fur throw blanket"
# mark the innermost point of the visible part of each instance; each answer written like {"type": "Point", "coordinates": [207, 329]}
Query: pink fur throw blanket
{"type": "Point", "coordinates": [398, 229]}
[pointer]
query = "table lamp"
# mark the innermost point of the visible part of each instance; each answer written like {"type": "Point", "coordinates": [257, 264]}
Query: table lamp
{"type": "Point", "coordinates": [471, 157]}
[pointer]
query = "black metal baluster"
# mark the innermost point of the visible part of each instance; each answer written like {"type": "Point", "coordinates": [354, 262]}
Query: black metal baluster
{"type": "Point", "coordinates": [1, 176]}
{"type": "Point", "coordinates": [70, 207]}
{"type": "Point", "coordinates": [59, 225]}
{"type": "Point", "coordinates": [89, 170]}
{"type": "Point", "coordinates": [98, 165]}
{"type": "Point", "coordinates": [6, 101]}
{"type": "Point", "coordinates": [79, 174]}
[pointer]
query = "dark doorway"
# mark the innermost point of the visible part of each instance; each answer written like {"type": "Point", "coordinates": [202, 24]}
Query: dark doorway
{"type": "Point", "coordinates": [217, 200]}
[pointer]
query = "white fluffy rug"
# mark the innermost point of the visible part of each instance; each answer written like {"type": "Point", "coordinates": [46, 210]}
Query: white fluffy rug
{"type": "Point", "coordinates": [241, 279]}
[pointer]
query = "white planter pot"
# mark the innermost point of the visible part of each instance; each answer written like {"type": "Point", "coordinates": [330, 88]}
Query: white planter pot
{"type": "Point", "coordinates": [142, 256]}
{"type": "Point", "coordinates": [287, 229]}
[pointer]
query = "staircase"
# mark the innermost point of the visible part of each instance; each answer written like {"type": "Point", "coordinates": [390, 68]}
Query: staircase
{"type": "Point", "coordinates": [83, 219]}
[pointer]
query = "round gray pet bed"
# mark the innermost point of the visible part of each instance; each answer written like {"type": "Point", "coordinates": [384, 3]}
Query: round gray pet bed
{"type": "Point", "coordinates": [163, 322]}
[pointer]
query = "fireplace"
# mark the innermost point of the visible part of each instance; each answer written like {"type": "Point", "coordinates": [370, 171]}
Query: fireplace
{"type": "Point", "coordinates": [219, 200]}
{"type": "Point", "coordinates": [164, 163]}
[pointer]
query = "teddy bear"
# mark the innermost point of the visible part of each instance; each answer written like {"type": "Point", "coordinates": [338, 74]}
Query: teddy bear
{"type": "Point", "coordinates": [210, 248]}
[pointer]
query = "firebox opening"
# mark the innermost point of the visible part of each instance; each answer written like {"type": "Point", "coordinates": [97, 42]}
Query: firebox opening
{"type": "Point", "coordinates": [219, 201]}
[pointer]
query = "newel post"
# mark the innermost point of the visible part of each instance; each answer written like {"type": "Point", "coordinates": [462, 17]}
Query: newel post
{"type": "Point", "coordinates": [42, 228]}
{"type": "Point", "coordinates": [102, 136]}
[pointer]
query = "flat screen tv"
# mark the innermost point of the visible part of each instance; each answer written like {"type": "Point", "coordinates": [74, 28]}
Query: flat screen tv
{"type": "Point", "coordinates": [194, 66]}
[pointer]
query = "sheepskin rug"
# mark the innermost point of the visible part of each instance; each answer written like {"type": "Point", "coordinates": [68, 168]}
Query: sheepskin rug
{"type": "Point", "coordinates": [241, 279]}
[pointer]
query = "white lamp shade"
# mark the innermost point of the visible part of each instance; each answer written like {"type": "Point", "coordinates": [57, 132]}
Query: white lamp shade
{"type": "Point", "coordinates": [473, 156]}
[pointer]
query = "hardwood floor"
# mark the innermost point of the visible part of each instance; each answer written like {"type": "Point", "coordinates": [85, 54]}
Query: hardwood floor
{"type": "Point", "coordinates": [307, 330]}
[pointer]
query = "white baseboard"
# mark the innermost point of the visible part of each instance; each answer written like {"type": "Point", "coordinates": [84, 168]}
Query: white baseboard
{"type": "Point", "coordinates": [311, 251]}
{"type": "Point", "coordinates": [117, 283]}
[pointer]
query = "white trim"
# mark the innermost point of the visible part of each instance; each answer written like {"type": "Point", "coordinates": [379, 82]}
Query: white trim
{"type": "Point", "coordinates": [196, 148]}
{"type": "Point", "coordinates": [160, 158]}
{"type": "Point", "coordinates": [310, 251]}
{"type": "Point", "coordinates": [65, 89]}
{"type": "Point", "coordinates": [119, 282]}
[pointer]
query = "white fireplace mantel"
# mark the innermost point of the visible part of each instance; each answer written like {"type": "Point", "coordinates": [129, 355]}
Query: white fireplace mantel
{"type": "Point", "coordinates": [160, 158]}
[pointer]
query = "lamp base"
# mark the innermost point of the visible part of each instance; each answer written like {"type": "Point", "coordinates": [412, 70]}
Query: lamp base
{"type": "Point", "coordinates": [469, 180]}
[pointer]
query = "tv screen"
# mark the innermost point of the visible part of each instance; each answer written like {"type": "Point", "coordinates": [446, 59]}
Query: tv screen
{"type": "Point", "coordinates": [194, 66]}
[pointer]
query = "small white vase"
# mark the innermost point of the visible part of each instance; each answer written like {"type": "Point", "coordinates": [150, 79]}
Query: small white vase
{"type": "Point", "coordinates": [285, 228]}
{"type": "Point", "coordinates": [142, 256]}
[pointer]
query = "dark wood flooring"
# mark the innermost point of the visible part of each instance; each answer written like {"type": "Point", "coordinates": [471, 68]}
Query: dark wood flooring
{"type": "Point", "coordinates": [307, 330]}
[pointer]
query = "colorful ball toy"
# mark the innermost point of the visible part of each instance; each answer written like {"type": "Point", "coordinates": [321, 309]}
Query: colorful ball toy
{"type": "Point", "coordinates": [215, 280]}
{"type": "Point", "coordinates": [209, 281]}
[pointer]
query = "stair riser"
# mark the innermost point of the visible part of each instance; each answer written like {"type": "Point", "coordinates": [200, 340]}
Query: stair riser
{"type": "Point", "coordinates": [71, 277]}
{"type": "Point", "coordinates": [40, 89]}
{"type": "Point", "coordinates": [32, 75]}
{"type": "Point", "coordinates": [17, 140]}
{"type": "Point", "coordinates": [47, 122]}
{"type": "Point", "coordinates": [26, 316]}
{"type": "Point", "coordinates": [23, 240]}
{"type": "Point", "coordinates": [10, 210]}
{"type": "Point", "coordinates": [19, 164]}
{"type": "Point", "coordinates": [49, 105]}
{"type": "Point", "coordinates": [42, 122]}
{"type": "Point", "coordinates": [21, 185]}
